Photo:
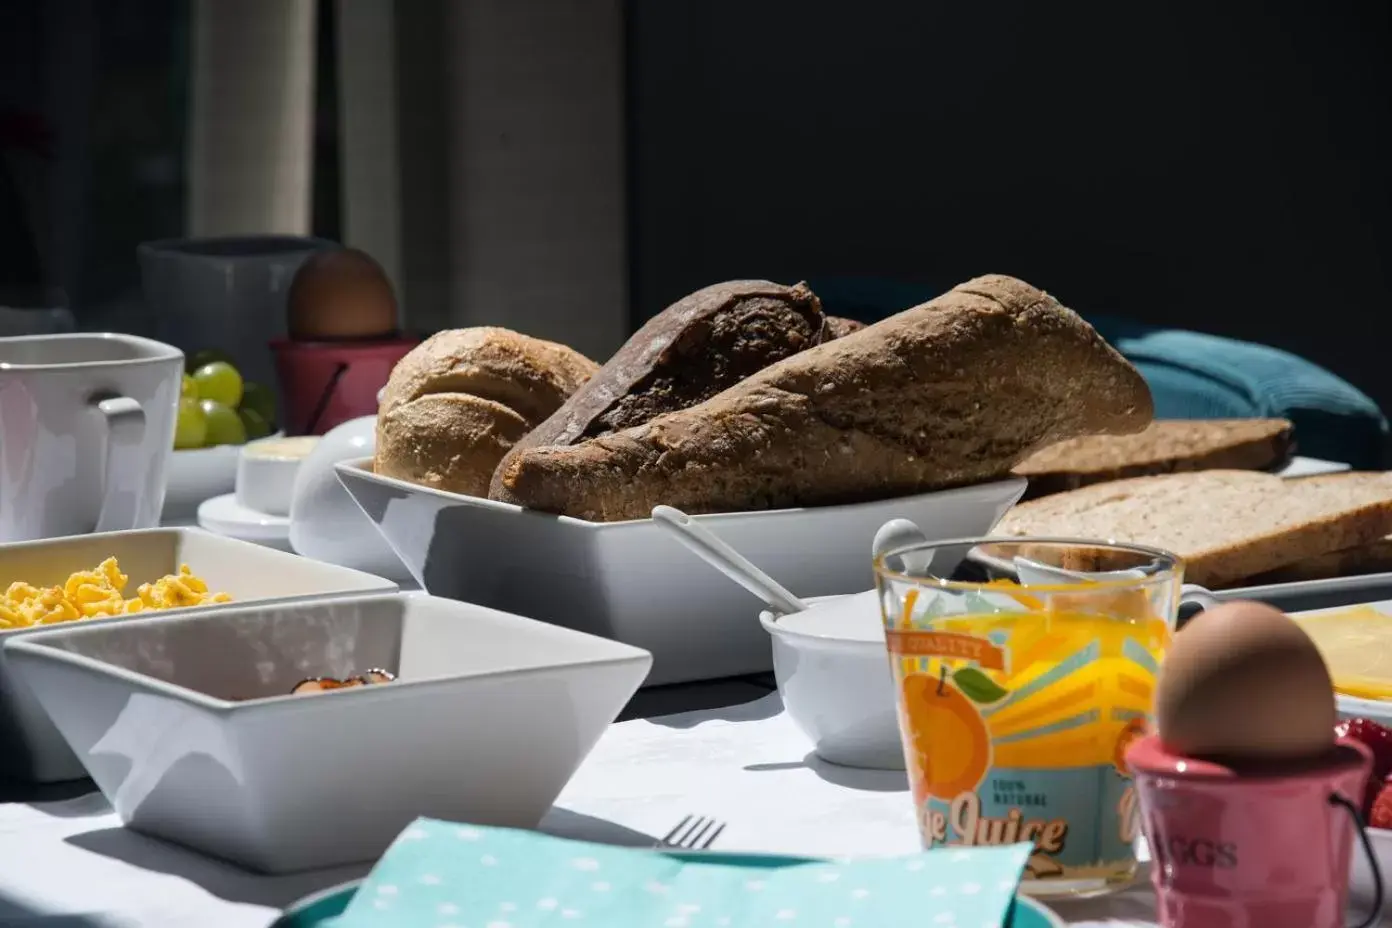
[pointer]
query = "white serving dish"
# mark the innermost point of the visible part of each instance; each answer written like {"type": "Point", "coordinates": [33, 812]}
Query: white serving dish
{"type": "Point", "coordinates": [186, 724]}
{"type": "Point", "coordinates": [632, 581]}
{"type": "Point", "coordinates": [197, 474]}
{"type": "Point", "coordinates": [325, 523]}
{"type": "Point", "coordinates": [30, 747]}
{"type": "Point", "coordinates": [834, 678]}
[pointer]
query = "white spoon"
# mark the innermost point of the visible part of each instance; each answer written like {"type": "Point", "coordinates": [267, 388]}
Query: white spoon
{"type": "Point", "coordinates": [901, 533]}
{"type": "Point", "coordinates": [726, 560]}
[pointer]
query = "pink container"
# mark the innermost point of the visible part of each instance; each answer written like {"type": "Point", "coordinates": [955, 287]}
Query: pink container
{"type": "Point", "coordinates": [323, 384]}
{"type": "Point", "coordinates": [1234, 850]}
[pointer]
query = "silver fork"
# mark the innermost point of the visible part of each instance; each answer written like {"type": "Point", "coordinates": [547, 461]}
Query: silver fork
{"type": "Point", "coordinates": [693, 833]}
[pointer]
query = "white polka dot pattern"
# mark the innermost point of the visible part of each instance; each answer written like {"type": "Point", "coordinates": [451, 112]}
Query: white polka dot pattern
{"type": "Point", "coordinates": [439, 875]}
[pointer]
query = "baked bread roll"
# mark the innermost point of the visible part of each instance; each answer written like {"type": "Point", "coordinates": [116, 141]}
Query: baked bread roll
{"type": "Point", "coordinates": [456, 404]}
{"type": "Point", "coordinates": [952, 392]}
{"type": "Point", "coordinates": [689, 352]}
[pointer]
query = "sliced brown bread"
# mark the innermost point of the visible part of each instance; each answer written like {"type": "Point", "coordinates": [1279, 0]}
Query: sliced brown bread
{"type": "Point", "coordinates": [692, 350]}
{"type": "Point", "coordinates": [952, 392]}
{"type": "Point", "coordinates": [1166, 446]}
{"type": "Point", "coordinates": [1372, 558]}
{"type": "Point", "coordinates": [1225, 524]}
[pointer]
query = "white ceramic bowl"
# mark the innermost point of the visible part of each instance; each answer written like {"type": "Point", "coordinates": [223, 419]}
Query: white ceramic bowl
{"type": "Point", "coordinates": [266, 472]}
{"type": "Point", "coordinates": [834, 678]}
{"type": "Point", "coordinates": [325, 523]}
{"type": "Point", "coordinates": [632, 581]}
{"type": "Point", "coordinates": [195, 475]}
{"type": "Point", "coordinates": [30, 747]}
{"type": "Point", "coordinates": [186, 724]}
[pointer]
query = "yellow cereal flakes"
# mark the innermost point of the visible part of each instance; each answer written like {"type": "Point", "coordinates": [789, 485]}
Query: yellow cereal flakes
{"type": "Point", "coordinates": [99, 593]}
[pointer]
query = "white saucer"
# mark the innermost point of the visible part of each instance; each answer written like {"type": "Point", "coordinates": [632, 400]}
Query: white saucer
{"type": "Point", "coordinates": [223, 515]}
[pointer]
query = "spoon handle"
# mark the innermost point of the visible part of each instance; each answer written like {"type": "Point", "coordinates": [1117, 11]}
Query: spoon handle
{"type": "Point", "coordinates": [726, 559]}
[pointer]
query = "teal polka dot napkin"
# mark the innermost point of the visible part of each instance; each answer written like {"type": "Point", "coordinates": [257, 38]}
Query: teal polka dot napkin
{"type": "Point", "coordinates": [445, 875]}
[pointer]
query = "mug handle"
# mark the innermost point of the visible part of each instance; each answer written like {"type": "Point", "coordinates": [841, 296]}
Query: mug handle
{"type": "Point", "coordinates": [124, 420]}
{"type": "Point", "coordinates": [1191, 594]}
{"type": "Point", "coordinates": [1375, 916]}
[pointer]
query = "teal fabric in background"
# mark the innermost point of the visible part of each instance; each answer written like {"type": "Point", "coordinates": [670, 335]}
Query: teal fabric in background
{"type": "Point", "coordinates": [1193, 375]}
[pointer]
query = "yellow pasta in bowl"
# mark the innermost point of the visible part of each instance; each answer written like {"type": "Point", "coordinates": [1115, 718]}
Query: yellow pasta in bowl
{"type": "Point", "coordinates": [100, 593]}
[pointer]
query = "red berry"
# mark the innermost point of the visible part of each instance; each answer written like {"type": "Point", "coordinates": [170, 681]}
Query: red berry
{"type": "Point", "coordinates": [1377, 739]}
{"type": "Point", "coordinates": [1380, 816]}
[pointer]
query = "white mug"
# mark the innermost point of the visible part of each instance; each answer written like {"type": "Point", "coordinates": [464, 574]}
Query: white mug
{"type": "Point", "coordinates": [86, 432]}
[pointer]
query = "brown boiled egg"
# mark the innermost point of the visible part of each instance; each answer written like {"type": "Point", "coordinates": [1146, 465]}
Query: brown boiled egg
{"type": "Point", "coordinates": [340, 294]}
{"type": "Point", "coordinates": [1243, 682]}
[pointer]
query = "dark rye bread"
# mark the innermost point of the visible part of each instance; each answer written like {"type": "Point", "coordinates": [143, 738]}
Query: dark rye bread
{"type": "Point", "coordinates": [1167, 446]}
{"type": "Point", "coordinates": [952, 392]}
{"type": "Point", "coordinates": [689, 352]}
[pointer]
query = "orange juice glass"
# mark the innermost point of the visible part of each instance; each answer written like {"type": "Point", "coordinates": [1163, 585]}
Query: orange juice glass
{"type": "Point", "coordinates": [1024, 668]}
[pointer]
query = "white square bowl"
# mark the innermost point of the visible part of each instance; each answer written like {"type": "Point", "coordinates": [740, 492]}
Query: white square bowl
{"type": "Point", "coordinates": [185, 723]}
{"type": "Point", "coordinates": [633, 582]}
{"type": "Point", "coordinates": [30, 747]}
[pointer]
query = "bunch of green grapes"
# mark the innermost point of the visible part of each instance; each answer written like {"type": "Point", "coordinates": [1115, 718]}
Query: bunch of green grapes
{"type": "Point", "coordinates": [217, 407]}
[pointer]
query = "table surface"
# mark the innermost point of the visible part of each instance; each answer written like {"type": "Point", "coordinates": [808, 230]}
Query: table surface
{"type": "Point", "coordinates": [731, 753]}
{"type": "Point", "coordinates": [723, 749]}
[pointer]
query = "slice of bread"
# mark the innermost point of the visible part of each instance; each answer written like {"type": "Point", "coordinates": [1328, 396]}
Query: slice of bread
{"type": "Point", "coordinates": [1373, 558]}
{"type": "Point", "coordinates": [1225, 524]}
{"type": "Point", "coordinates": [1166, 446]}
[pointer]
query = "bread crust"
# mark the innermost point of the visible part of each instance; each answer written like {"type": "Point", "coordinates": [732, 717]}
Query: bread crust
{"type": "Point", "coordinates": [1166, 446]}
{"type": "Point", "coordinates": [1226, 525]}
{"type": "Point", "coordinates": [695, 348]}
{"type": "Point", "coordinates": [462, 398]}
{"type": "Point", "coordinates": [954, 391]}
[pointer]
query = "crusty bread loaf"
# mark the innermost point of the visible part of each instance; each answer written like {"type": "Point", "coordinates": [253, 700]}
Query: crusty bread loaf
{"type": "Point", "coordinates": [1225, 524]}
{"type": "Point", "coordinates": [695, 348]}
{"type": "Point", "coordinates": [1166, 446]}
{"type": "Point", "coordinates": [459, 400]}
{"type": "Point", "coordinates": [952, 392]}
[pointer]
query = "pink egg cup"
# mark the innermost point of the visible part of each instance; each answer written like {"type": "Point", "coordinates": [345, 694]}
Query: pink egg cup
{"type": "Point", "coordinates": [1269, 849]}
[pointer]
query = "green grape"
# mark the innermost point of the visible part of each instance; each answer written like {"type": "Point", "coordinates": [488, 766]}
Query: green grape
{"type": "Point", "coordinates": [189, 388]}
{"type": "Point", "coordinates": [260, 400]}
{"type": "Point", "coordinates": [206, 356]}
{"type": "Point", "coordinates": [219, 381]}
{"type": "Point", "coordinates": [191, 430]}
{"type": "Point", "coordinates": [255, 424]}
{"type": "Point", "coordinates": [224, 425]}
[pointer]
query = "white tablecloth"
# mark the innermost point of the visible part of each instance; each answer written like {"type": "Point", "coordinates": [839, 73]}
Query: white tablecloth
{"type": "Point", "coordinates": [746, 765]}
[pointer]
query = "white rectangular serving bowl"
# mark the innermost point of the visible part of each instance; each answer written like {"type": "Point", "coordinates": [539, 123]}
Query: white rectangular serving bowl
{"type": "Point", "coordinates": [186, 724]}
{"type": "Point", "coordinates": [633, 582]}
{"type": "Point", "coordinates": [30, 747]}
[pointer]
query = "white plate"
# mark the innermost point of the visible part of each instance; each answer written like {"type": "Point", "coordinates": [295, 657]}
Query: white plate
{"type": "Point", "coordinates": [187, 725]}
{"type": "Point", "coordinates": [30, 747]}
{"type": "Point", "coordinates": [633, 582]}
{"type": "Point", "coordinates": [224, 515]}
{"type": "Point", "coordinates": [1306, 595]}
